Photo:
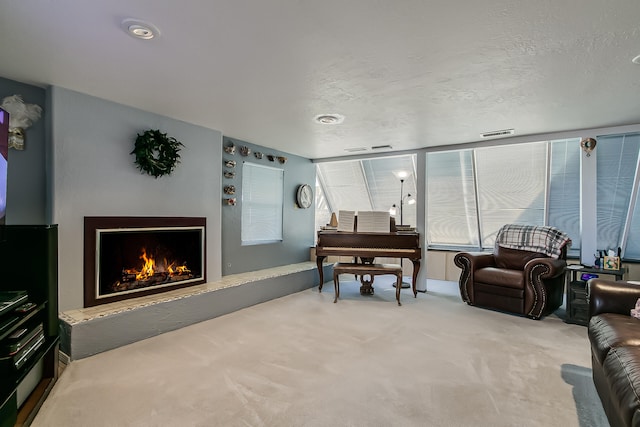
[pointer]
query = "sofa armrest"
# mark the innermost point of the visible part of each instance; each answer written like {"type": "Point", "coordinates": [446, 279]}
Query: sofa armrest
{"type": "Point", "coordinates": [474, 260]}
{"type": "Point", "coordinates": [546, 267]}
{"type": "Point", "coordinates": [544, 282]}
{"type": "Point", "coordinates": [470, 262]}
{"type": "Point", "coordinates": [608, 296]}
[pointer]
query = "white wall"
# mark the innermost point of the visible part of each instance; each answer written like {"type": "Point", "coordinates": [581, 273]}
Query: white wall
{"type": "Point", "coordinates": [93, 174]}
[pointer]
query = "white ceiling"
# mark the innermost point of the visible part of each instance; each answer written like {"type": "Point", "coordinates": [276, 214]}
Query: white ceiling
{"type": "Point", "coordinates": [408, 73]}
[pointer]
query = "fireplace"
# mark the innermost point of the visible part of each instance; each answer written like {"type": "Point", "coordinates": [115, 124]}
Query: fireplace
{"type": "Point", "coordinates": [128, 257]}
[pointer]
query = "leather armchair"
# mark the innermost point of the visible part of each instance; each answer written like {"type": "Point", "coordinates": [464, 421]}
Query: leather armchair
{"type": "Point", "coordinates": [516, 281]}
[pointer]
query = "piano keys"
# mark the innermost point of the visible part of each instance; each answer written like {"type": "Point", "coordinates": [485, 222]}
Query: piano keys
{"type": "Point", "coordinates": [368, 246]}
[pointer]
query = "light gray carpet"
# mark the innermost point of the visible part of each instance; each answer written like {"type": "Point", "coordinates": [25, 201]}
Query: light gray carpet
{"type": "Point", "coordinates": [302, 360]}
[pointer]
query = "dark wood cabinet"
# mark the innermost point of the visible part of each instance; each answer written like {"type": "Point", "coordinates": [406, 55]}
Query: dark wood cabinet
{"type": "Point", "coordinates": [577, 303]}
{"type": "Point", "coordinates": [29, 262]}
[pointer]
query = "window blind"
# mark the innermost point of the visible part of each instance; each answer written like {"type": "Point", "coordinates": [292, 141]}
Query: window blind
{"type": "Point", "coordinates": [452, 218]}
{"type": "Point", "coordinates": [262, 201]}
{"type": "Point", "coordinates": [616, 166]}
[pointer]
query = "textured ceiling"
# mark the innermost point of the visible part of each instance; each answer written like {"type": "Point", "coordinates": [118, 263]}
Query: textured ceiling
{"type": "Point", "coordinates": [408, 73]}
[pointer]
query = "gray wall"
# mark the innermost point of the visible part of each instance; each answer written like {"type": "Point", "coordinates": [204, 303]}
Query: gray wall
{"type": "Point", "coordinates": [77, 164]}
{"type": "Point", "coordinates": [26, 183]}
{"type": "Point", "coordinates": [94, 175]}
{"type": "Point", "coordinates": [298, 224]}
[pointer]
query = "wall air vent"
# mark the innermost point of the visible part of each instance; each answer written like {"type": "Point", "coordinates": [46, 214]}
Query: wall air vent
{"type": "Point", "coordinates": [495, 133]}
{"type": "Point", "coordinates": [381, 147]}
{"type": "Point", "coordinates": [355, 149]}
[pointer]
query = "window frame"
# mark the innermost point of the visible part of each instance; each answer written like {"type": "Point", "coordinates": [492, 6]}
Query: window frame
{"type": "Point", "coordinates": [262, 215]}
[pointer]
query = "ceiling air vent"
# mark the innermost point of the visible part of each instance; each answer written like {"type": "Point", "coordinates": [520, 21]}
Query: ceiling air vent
{"type": "Point", "coordinates": [329, 119]}
{"type": "Point", "coordinates": [495, 133]}
{"type": "Point", "coordinates": [355, 149]}
{"type": "Point", "coordinates": [381, 147]}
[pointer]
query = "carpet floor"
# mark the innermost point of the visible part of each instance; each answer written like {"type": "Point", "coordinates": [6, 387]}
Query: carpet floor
{"type": "Point", "coordinates": [302, 360]}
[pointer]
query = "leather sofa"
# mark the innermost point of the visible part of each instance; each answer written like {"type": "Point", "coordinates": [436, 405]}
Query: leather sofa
{"type": "Point", "coordinates": [614, 336]}
{"type": "Point", "coordinates": [516, 281]}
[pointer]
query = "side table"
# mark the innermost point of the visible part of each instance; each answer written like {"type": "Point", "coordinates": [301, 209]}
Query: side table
{"type": "Point", "coordinates": [577, 305]}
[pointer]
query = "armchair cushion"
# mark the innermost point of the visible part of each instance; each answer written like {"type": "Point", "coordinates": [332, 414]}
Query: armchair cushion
{"type": "Point", "coordinates": [500, 277]}
{"type": "Point", "coordinates": [514, 259]}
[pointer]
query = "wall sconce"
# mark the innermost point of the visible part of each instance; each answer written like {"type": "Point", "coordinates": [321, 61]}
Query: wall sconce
{"type": "Point", "coordinates": [21, 117]}
{"type": "Point", "coordinates": [588, 145]}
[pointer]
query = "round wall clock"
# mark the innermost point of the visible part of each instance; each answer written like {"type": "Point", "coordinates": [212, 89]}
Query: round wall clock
{"type": "Point", "coordinates": [304, 196]}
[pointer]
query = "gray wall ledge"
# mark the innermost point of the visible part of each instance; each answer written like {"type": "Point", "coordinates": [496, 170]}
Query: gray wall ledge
{"type": "Point", "coordinates": [89, 331]}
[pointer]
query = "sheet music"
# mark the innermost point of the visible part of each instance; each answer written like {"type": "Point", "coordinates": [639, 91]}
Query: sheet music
{"type": "Point", "coordinates": [346, 220]}
{"type": "Point", "coordinates": [373, 221]}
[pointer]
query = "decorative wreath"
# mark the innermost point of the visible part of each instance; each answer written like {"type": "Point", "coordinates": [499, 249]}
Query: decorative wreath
{"type": "Point", "coordinates": [156, 153]}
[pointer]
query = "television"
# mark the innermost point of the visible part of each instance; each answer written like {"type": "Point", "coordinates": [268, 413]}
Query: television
{"type": "Point", "coordinates": [4, 159]}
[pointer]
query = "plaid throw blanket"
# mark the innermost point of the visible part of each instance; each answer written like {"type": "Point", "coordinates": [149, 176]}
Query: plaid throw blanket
{"type": "Point", "coordinates": [546, 240]}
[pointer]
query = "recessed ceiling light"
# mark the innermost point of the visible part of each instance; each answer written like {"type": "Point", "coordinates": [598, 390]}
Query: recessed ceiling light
{"type": "Point", "coordinates": [140, 29]}
{"type": "Point", "coordinates": [636, 60]}
{"type": "Point", "coordinates": [329, 119]}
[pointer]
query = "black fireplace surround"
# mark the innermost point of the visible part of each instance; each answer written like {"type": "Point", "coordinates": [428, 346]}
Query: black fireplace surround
{"type": "Point", "coordinates": [128, 257]}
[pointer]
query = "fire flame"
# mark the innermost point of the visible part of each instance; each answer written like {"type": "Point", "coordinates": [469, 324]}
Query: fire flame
{"type": "Point", "coordinates": [149, 267]}
{"type": "Point", "coordinates": [181, 269]}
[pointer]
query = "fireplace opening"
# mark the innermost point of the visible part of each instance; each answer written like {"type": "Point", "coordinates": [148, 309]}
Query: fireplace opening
{"type": "Point", "coordinates": [127, 257]}
{"type": "Point", "coordinates": [135, 259]}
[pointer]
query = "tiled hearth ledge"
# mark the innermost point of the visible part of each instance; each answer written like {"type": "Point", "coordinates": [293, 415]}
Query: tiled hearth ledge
{"type": "Point", "coordinates": [92, 330]}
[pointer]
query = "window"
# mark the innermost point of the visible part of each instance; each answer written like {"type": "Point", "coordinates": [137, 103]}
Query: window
{"type": "Point", "coordinates": [451, 199]}
{"type": "Point", "coordinates": [323, 213]}
{"type": "Point", "coordinates": [345, 185]}
{"type": "Point", "coordinates": [383, 179]}
{"type": "Point", "coordinates": [617, 162]}
{"type": "Point", "coordinates": [564, 189]}
{"type": "Point", "coordinates": [367, 185]}
{"type": "Point", "coordinates": [511, 183]}
{"type": "Point", "coordinates": [472, 193]}
{"type": "Point", "coordinates": [262, 201]}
